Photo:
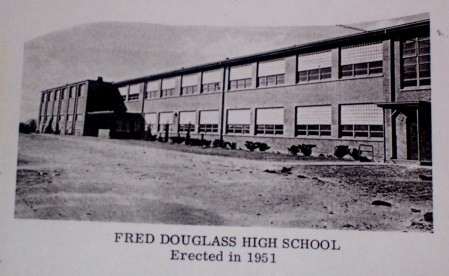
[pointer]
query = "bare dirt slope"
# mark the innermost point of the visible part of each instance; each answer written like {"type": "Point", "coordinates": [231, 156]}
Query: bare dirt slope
{"type": "Point", "coordinates": [82, 178]}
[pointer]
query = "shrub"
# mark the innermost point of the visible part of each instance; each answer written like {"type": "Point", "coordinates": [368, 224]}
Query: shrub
{"type": "Point", "coordinates": [217, 143]}
{"type": "Point", "coordinates": [251, 146]}
{"type": "Point", "coordinates": [355, 154]}
{"type": "Point", "coordinates": [294, 149]}
{"type": "Point", "coordinates": [207, 143]}
{"type": "Point", "coordinates": [341, 151]}
{"type": "Point", "coordinates": [177, 140]}
{"type": "Point", "coordinates": [160, 139]}
{"type": "Point", "coordinates": [232, 145]}
{"type": "Point", "coordinates": [262, 146]}
{"type": "Point", "coordinates": [306, 149]}
{"type": "Point", "coordinates": [28, 127]}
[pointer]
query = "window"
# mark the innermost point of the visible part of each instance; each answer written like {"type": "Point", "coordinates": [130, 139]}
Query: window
{"type": "Point", "coordinates": [187, 120]}
{"type": "Point", "coordinates": [43, 97]}
{"type": "Point", "coordinates": [240, 77]}
{"type": "Point", "coordinates": [152, 89]}
{"type": "Point", "coordinates": [49, 96]}
{"type": "Point", "coordinates": [72, 92]}
{"type": "Point", "coordinates": [362, 60]}
{"type": "Point", "coordinates": [168, 87]}
{"type": "Point", "coordinates": [270, 121]}
{"type": "Point", "coordinates": [134, 91]}
{"type": "Point", "coordinates": [56, 95]}
{"type": "Point", "coordinates": [82, 90]}
{"type": "Point", "coordinates": [211, 81]}
{"type": "Point", "coordinates": [150, 121]}
{"type": "Point", "coordinates": [61, 118]}
{"type": "Point", "coordinates": [271, 72]}
{"type": "Point", "coordinates": [238, 121]}
{"type": "Point", "coordinates": [415, 65]}
{"type": "Point", "coordinates": [189, 84]}
{"type": "Point", "coordinates": [70, 118]}
{"type": "Point", "coordinates": [313, 120]}
{"type": "Point", "coordinates": [63, 93]}
{"type": "Point", "coordinates": [79, 117]}
{"type": "Point", "coordinates": [123, 92]}
{"type": "Point", "coordinates": [361, 120]}
{"type": "Point", "coordinates": [208, 121]}
{"type": "Point", "coordinates": [165, 118]}
{"type": "Point", "coordinates": [315, 66]}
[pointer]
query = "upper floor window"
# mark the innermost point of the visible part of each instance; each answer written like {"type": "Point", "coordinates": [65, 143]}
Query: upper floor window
{"type": "Point", "coordinates": [361, 120]}
{"type": "Point", "coordinates": [313, 120]}
{"type": "Point", "coordinates": [82, 90]}
{"type": "Point", "coordinates": [168, 87]}
{"type": "Point", "coordinates": [240, 77]}
{"type": "Point", "coordinates": [271, 72]}
{"type": "Point", "coordinates": [315, 66]}
{"type": "Point", "coordinates": [123, 92]}
{"type": "Point", "coordinates": [72, 92]}
{"type": "Point", "coordinates": [56, 95]}
{"type": "Point", "coordinates": [211, 81]}
{"type": "Point", "coordinates": [134, 91]}
{"type": "Point", "coordinates": [63, 93]}
{"type": "Point", "coordinates": [43, 97]}
{"type": "Point", "coordinates": [189, 84]}
{"type": "Point", "coordinates": [362, 60]}
{"type": "Point", "coordinates": [415, 63]}
{"type": "Point", "coordinates": [152, 89]}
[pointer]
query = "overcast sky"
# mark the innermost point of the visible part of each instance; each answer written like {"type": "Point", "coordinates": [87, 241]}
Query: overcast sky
{"type": "Point", "coordinates": [44, 16]}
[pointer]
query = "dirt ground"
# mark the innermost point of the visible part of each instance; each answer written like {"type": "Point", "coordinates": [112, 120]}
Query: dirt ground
{"type": "Point", "coordinates": [86, 178]}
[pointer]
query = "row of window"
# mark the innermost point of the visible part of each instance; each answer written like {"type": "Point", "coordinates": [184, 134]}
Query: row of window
{"type": "Point", "coordinates": [62, 93]}
{"type": "Point", "coordinates": [358, 120]}
{"type": "Point", "coordinates": [355, 60]}
{"type": "Point", "coordinates": [62, 118]}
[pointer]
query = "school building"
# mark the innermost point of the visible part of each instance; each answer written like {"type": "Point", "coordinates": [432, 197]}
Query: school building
{"type": "Point", "coordinates": [371, 88]}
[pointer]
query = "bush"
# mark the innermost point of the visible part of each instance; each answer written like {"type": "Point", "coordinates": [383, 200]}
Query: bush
{"type": "Point", "coordinates": [160, 139]}
{"type": "Point", "coordinates": [306, 149]}
{"type": "Point", "coordinates": [262, 146]}
{"type": "Point", "coordinates": [294, 149]}
{"type": "Point", "coordinates": [251, 146]}
{"type": "Point", "coordinates": [355, 154]}
{"type": "Point", "coordinates": [28, 127]}
{"type": "Point", "coordinates": [232, 145]}
{"type": "Point", "coordinates": [177, 140]}
{"type": "Point", "coordinates": [341, 151]}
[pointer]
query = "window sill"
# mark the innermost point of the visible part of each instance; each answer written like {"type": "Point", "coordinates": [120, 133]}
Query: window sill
{"type": "Point", "coordinates": [415, 88]}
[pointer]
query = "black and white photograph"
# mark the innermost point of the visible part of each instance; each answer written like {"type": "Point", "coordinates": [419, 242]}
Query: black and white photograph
{"type": "Point", "coordinates": [230, 118]}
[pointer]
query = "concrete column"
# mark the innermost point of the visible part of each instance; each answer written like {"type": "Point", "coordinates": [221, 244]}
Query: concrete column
{"type": "Point", "coordinates": [291, 68]}
{"type": "Point", "coordinates": [255, 67]}
{"type": "Point", "coordinates": [335, 63]}
{"type": "Point", "coordinates": [178, 84]}
{"type": "Point", "coordinates": [289, 121]}
{"type": "Point", "coordinates": [335, 113]}
{"type": "Point", "coordinates": [252, 122]}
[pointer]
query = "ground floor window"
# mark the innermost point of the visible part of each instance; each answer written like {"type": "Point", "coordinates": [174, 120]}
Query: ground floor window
{"type": "Point", "coordinates": [209, 121]}
{"type": "Point", "coordinates": [361, 120]}
{"type": "Point", "coordinates": [238, 121]}
{"type": "Point", "coordinates": [165, 118]}
{"type": "Point", "coordinates": [187, 121]}
{"type": "Point", "coordinates": [313, 120]}
{"type": "Point", "coordinates": [270, 121]}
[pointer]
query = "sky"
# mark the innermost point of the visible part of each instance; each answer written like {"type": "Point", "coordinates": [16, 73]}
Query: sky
{"type": "Point", "coordinates": [40, 17]}
{"type": "Point", "coordinates": [24, 20]}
